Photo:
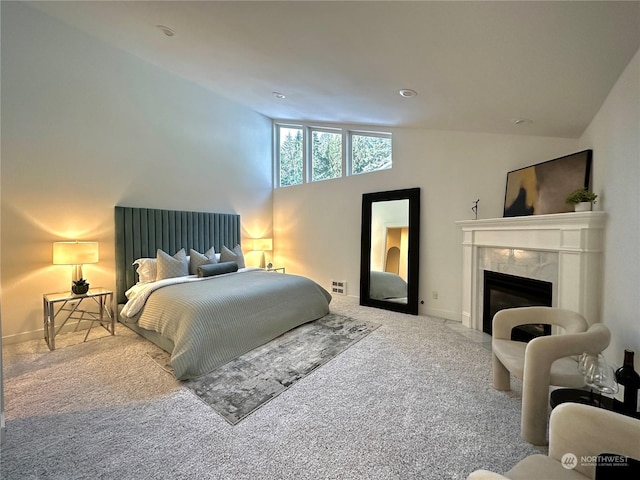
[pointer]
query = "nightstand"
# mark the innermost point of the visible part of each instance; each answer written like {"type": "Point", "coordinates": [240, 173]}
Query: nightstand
{"type": "Point", "coordinates": [73, 307]}
{"type": "Point", "coordinates": [276, 269]}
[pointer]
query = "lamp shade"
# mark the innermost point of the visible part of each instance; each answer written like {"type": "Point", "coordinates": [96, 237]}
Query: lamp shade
{"type": "Point", "coordinates": [261, 244]}
{"type": "Point", "coordinates": [75, 253]}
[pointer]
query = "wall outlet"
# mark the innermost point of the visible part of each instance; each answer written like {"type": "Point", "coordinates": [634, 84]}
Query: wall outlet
{"type": "Point", "coordinates": [339, 287]}
{"type": "Point", "coordinates": [434, 294]}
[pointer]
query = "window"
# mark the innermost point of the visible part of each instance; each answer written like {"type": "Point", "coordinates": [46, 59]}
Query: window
{"type": "Point", "coordinates": [326, 155]}
{"type": "Point", "coordinates": [306, 153]}
{"type": "Point", "coordinates": [290, 155]}
{"type": "Point", "coordinates": [370, 153]}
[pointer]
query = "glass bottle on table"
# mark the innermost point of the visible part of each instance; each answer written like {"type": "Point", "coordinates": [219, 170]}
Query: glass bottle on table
{"type": "Point", "coordinates": [629, 382]}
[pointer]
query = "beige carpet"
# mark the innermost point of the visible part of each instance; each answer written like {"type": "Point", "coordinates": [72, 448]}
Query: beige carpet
{"type": "Point", "coordinates": [412, 400]}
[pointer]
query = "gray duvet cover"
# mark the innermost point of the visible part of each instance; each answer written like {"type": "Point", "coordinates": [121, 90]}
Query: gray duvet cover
{"type": "Point", "coordinates": [216, 320]}
{"type": "Point", "coordinates": [387, 286]}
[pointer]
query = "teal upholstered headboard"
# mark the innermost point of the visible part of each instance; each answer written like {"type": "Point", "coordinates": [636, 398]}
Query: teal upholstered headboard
{"type": "Point", "coordinates": [141, 231]}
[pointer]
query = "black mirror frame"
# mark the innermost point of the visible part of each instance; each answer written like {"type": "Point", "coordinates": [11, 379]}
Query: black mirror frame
{"type": "Point", "coordinates": [413, 195]}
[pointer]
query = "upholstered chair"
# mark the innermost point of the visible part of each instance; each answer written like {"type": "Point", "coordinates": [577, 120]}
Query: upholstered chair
{"type": "Point", "coordinates": [579, 433]}
{"type": "Point", "coordinates": [542, 362]}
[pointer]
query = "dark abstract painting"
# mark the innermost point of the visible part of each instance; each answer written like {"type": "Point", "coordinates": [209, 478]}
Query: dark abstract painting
{"type": "Point", "coordinates": [542, 188]}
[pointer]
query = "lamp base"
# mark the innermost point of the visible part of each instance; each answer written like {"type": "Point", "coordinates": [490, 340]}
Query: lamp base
{"type": "Point", "coordinates": [76, 273]}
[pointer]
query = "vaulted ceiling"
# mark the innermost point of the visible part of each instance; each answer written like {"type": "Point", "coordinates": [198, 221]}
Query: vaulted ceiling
{"type": "Point", "coordinates": [476, 66]}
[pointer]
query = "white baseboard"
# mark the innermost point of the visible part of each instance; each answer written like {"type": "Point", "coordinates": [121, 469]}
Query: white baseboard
{"type": "Point", "coordinates": [39, 334]}
{"type": "Point", "coordinates": [22, 337]}
{"type": "Point", "coordinates": [446, 314]}
{"type": "Point", "coordinates": [426, 311]}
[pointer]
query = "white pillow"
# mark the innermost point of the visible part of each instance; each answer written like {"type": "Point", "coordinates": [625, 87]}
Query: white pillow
{"type": "Point", "coordinates": [197, 259]}
{"type": "Point", "coordinates": [170, 267]}
{"type": "Point", "coordinates": [147, 269]}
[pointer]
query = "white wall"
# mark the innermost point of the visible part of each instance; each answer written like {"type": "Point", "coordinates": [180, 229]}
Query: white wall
{"type": "Point", "coordinates": [614, 135]}
{"type": "Point", "coordinates": [86, 127]}
{"type": "Point", "coordinates": [317, 226]}
{"type": "Point", "coordinates": [2, 422]}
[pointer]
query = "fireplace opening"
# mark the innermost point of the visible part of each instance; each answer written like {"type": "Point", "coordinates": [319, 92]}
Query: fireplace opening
{"type": "Point", "coordinates": [508, 291]}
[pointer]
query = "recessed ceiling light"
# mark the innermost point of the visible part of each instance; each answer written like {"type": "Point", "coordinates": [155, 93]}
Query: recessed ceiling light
{"type": "Point", "coordinates": [407, 93]}
{"type": "Point", "coordinates": [279, 95]}
{"type": "Point", "coordinates": [522, 121]}
{"type": "Point", "coordinates": [166, 30]}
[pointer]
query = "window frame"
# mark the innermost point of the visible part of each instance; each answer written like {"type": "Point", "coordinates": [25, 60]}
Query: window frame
{"type": "Point", "coordinates": [276, 153]}
{"type": "Point", "coordinates": [310, 151]}
{"type": "Point", "coordinates": [308, 128]}
{"type": "Point", "coordinates": [365, 133]}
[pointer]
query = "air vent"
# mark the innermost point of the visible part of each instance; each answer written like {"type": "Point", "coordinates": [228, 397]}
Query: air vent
{"type": "Point", "coordinates": [339, 287]}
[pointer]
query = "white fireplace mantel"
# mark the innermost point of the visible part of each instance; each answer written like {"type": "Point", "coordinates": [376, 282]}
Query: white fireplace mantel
{"type": "Point", "coordinates": [577, 238]}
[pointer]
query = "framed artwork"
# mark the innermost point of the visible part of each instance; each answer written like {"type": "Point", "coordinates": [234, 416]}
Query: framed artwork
{"type": "Point", "coordinates": [542, 188]}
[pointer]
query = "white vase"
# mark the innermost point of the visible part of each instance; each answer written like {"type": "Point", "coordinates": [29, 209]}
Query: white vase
{"type": "Point", "coordinates": [583, 207]}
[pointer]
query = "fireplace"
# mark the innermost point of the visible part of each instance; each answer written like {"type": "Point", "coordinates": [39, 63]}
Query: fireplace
{"type": "Point", "coordinates": [564, 249]}
{"type": "Point", "coordinates": [507, 291]}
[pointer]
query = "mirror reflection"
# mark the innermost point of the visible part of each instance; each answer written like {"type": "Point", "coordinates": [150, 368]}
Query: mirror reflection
{"type": "Point", "coordinates": [389, 256]}
{"type": "Point", "coordinates": [389, 250]}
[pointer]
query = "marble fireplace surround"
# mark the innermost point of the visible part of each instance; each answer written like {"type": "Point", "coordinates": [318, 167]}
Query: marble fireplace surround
{"type": "Point", "coordinates": [564, 249]}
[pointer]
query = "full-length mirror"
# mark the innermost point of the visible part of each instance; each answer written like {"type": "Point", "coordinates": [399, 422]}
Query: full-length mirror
{"type": "Point", "coordinates": [389, 257]}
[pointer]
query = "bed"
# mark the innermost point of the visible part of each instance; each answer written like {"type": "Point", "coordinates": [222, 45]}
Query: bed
{"type": "Point", "coordinates": [387, 286]}
{"type": "Point", "coordinates": [204, 321]}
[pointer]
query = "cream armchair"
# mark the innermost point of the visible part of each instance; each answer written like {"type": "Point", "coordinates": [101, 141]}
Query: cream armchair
{"type": "Point", "coordinates": [581, 432]}
{"type": "Point", "coordinates": [544, 361]}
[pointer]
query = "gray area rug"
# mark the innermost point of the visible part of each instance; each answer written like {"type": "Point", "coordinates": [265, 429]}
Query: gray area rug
{"type": "Point", "coordinates": [243, 385]}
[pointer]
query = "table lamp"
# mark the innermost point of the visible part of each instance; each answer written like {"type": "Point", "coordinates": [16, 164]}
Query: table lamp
{"type": "Point", "coordinates": [261, 245]}
{"type": "Point", "coordinates": [75, 254]}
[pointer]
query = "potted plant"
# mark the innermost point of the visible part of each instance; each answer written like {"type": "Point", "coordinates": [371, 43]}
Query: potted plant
{"type": "Point", "coordinates": [80, 286]}
{"type": "Point", "coordinates": [581, 199]}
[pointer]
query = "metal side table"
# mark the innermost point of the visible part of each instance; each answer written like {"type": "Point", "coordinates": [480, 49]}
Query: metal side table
{"type": "Point", "coordinates": [72, 305]}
